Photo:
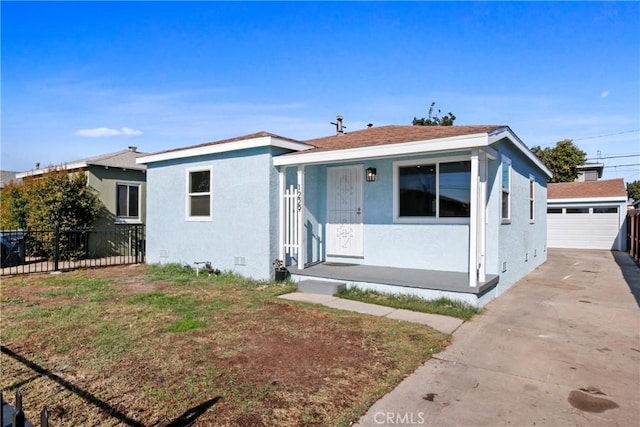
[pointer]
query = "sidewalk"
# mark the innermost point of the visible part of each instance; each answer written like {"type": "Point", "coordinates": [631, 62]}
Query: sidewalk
{"type": "Point", "coordinates": [444, 324]}
{"type": "Point", "coordinates": [561, 348]}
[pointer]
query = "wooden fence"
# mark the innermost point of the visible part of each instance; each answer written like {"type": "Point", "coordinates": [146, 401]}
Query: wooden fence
{"type": "Point", "coordinates": [633, 234]}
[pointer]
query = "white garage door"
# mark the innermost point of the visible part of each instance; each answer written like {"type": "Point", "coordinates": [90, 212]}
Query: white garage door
{"type": "Point", "coordinates": [583, 227]}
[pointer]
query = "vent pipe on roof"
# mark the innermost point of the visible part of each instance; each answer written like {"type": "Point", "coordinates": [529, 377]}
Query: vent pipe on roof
{"type": "Point", "coordinates": [132, 148]}
{"type": "Point", "coordinates": [370, 125]}
{"type": "Point", "coordinates": [339, 126]}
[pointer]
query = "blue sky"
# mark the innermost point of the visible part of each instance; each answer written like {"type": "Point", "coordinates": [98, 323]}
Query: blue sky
{"type": "Point", "coordinates": [86, 78]}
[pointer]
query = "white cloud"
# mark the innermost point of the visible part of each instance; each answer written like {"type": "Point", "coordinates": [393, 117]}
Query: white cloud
{"type": "Point", "coordinates": [604, 94]}
{"type": "Point", "coordinates": [97, 132]}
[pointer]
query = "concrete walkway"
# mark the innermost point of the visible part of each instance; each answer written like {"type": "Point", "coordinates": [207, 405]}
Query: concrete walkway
{"type": "Point", "coordinates": [561, 348]}
{"type": "Point", "coordinates": [440, 323]}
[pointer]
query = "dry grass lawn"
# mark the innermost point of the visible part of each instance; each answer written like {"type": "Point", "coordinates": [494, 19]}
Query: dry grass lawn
{"type": "Point", "coordinates": [158, 346]}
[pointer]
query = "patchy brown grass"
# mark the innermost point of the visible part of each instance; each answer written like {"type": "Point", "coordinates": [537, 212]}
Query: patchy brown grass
{"type": "Point", "coordinates": [129, 346]}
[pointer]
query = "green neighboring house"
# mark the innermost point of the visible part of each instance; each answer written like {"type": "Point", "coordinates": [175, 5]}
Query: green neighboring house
{"type": "Point", "coordinates": [119, 182]}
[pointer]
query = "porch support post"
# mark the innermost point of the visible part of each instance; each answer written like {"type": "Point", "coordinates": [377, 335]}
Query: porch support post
{"type": "Point", "coordinates": [482, 217]}
{"type": "Point", "coordinates": [473, 220]}
{"type": "Point", "coordinates": [281, 218]}
{"type": "Point", "coordinates": [302, 237]}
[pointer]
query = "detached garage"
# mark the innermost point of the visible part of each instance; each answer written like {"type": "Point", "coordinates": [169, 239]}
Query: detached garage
{"type": "Point", "coordinates": [587, 215]}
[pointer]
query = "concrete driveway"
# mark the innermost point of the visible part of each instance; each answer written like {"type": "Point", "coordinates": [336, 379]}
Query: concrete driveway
{"type": "Point", "coordinates": [561, 348]}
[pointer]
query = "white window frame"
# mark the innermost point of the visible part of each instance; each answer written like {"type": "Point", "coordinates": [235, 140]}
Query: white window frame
{"type": "Point", "coordinates": [129, 219]}
{"type": "Point", "coordinates": [532, 199]}
{"type": "Point", "coordinates": [505, 160]}
{"type": "Point", "coordinates": [396, 193]}
{"type": "Point", "coordinates": [188, 195]}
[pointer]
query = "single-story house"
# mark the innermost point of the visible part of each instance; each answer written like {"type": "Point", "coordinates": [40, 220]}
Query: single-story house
{"type": "Point", "coordinates": [118, 180]}
{"type": "Point", "coordinates": [587, 215]}
{"type": "Point", "coordinates": [456, 211]}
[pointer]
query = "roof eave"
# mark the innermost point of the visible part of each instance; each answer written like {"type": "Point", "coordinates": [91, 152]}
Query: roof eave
{"type": "Point", "coordinates": [223, 148]}
{"type": "Point", "coordinates": [501, 133]}
{"type": "Point", "coordinates": [460, 142]}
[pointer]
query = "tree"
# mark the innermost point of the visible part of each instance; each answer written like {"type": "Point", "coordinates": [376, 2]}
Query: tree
{"type": "Point", "coordinates": [434, 120]}
{"type": "Point", "coordinates": [562, 160]}
{"type": "Point", "coordinates": [633, 190]}
{"type": "Point", "coordinates": [55, 200]}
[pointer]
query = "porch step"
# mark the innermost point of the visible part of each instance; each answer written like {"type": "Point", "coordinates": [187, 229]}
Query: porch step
{"type": "Point", "coordinates": [320, 287]}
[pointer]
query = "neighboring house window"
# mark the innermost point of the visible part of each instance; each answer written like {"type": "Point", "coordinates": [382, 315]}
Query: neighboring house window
{"type": "Point", "coordinates": [199, 194]}
{"type": "Point", "coordinates": [128, 202]}
{"type": "Point", "coordinates": [532, 198]}
{"type": "Point", "coordinates": [506, 189]}
{"type": "Point", "coordinates": [432, 190]}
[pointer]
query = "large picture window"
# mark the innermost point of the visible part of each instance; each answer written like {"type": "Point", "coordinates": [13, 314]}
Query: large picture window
{"type": "Point", "coordinates": [433, 190]}
{"type": "Point", "coordinates": [199, 194]}
{"type": "Point", "coordinates": [128, 201]}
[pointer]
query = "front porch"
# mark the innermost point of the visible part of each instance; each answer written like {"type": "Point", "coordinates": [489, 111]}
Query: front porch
{"type": "Point", "coordinates": [429, 284]}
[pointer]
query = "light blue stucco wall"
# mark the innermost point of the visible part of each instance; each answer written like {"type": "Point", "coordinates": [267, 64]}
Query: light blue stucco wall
{"type": "Point", "coordinates": [522, 244]}
{"type": "Point", "coordinates": [436, 246]}
{"type": "Point", "coordinates": [243, 233]}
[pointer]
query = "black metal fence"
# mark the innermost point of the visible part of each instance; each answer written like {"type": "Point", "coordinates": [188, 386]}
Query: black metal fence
{"type": "Point", "coordinates": [35, 251]}
{"type": "Point", "coordinates": [15, 417]}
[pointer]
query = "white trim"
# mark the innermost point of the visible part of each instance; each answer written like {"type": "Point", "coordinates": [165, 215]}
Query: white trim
{"type": "Point", "coordinates": [465, 142]}
{"type": "Point", "coordinates": [473, 220]}
{"type": "Point", "coordinates": [506, 132]}
{"type": "Point", "coordinates": [187, 194]}
{"type": "Point", "coordinates": [506, 160]}
{"type": "Point", "coordinates": [263, 141]}
{"type": "Point", "coordinates": [66, 167]}
{"type": "Point", "coordinates": [397, 219]}
{"type": "Point", "coordinates": [532, 199]}
{"type": "Point", "coordinates": [618, 199]}
{"type": "Point", "coordinates": [281, 218]}
{"type": "Point", "coordinates": [129, 219]}
{"type": "Point", "coordinates": [302, 235]}
{"type": "Point", "coordinates": [483, 173]}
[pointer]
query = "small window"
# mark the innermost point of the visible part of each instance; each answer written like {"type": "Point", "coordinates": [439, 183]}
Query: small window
{"type": "Point", "coordinates": [554, 210]}
{"type": "Point", "coordinates": [506, 189]}
{"type": "Point", "coordinates": [532, 198]}
{"type": "Point", "coordinates": [612, 210]}
{"type": "Point", "coordinates": [577, 210]}
{"type": "Point", "coordinates": [199, 194]}
{"type": "Point", "coordinates": [128, 201]}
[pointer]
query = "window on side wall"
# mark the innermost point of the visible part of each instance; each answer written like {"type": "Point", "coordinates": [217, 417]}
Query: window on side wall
{"type": "Point", "coordinates": [427, 191]}
{"type": "Point", "coordinates": [532, 198]}
{"type": "Point", "coordinates": [127, 202]}
{"type": "Point", "coordinates": [199, 194]}
{"type": "Point", "coordinates": [506, 190]}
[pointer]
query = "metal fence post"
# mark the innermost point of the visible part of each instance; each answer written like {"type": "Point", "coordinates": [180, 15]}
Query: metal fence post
{"type": "Point", "coordinates": [44, 417]}
{"type": "Point", "coordinates": [56, 247]}
{"type": "Point", "coordinates": [137, 243]}
{"type": "Point", "coordinates": [18, 416]}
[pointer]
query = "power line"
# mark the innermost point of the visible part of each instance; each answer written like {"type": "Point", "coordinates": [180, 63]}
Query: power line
{"type": "Point", "coordinates": [619, 166]}
{"type": "Point", "coordinates": [614, 156]}
{"type": "Point", "coordinates": [609, 134]}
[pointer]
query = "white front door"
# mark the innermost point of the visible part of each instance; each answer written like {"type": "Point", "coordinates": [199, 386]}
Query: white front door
{"type": "Point", "coordinates": [344, 211]}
